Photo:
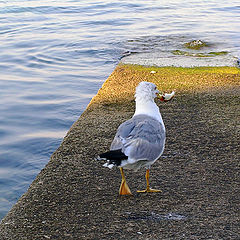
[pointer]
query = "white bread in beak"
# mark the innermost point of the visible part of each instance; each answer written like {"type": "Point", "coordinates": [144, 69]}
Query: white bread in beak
{"type": "Point", "coordinates": [165, 97]}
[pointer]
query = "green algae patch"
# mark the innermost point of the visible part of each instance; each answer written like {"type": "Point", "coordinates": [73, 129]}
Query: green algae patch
{"type": "Point", "coordinates": [121, 84]}
{"type": "Point", "coordinates": [184, 53]}
{"type": "Point", "coordinates": [218, 53]}
{"type": "Point", "coordinates": [191, 54]}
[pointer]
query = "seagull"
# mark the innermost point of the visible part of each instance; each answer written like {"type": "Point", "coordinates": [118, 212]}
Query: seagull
{"type": "Point", "coordinates": [139, 141]}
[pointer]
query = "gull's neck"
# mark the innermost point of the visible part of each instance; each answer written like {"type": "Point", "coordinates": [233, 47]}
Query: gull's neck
{"type": "Point", "coordinates": [148, 107]}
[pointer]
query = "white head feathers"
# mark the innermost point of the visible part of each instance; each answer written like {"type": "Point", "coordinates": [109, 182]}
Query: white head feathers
{"type": "Point", "coordinates": [146, 91]}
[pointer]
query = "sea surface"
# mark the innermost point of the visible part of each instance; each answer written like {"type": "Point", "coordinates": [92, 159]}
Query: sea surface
{"type": "Point", "coordinates": [55, 55]}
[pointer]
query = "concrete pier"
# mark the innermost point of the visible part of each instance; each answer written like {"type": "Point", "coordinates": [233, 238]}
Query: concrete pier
{"type": "Point", "coordinates": [74, 197]}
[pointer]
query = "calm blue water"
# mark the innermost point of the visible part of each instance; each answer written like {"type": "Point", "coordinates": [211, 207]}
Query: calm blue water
{"type": "Point", "coordinates": [55, 55]}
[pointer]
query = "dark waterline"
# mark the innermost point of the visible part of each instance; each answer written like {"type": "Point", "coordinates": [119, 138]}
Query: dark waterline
{"type": "Point", "coordinates": [56, 55]}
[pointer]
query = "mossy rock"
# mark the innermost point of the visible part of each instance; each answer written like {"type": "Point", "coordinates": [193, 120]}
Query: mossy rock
{"type": "Point", "coordinates": [196, 44]}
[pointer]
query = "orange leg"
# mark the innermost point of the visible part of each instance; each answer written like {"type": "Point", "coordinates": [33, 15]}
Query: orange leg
{"type": "Point", "coordinates": [148, 189]}
{"type": "Point", "coordinates": [124, 189]}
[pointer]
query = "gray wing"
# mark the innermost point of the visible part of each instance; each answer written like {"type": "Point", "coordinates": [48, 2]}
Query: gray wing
{"type": "Point", "coordinates": [140, 138]}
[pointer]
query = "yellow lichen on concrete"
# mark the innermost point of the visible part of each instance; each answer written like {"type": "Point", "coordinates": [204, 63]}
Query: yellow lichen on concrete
{"type": "Point", "coordinates": [121, 84]}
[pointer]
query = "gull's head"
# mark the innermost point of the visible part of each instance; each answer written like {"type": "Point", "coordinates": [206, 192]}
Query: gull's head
{"type": "Point", "coordinates": [146, 91]}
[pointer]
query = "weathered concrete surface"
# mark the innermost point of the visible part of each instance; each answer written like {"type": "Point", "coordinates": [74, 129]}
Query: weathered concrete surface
{"type": "Point", "coordinates": [74, 197]}
{"type": "Point", "coordinates": [161, 59]}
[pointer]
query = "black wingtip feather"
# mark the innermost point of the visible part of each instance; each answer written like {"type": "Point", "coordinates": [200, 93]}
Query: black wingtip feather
{"type": "Point", "coordinates": [114, 157]}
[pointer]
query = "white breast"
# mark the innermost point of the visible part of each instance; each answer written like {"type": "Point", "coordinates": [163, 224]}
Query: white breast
{"type": "Point", "coordinates": [149, 108]}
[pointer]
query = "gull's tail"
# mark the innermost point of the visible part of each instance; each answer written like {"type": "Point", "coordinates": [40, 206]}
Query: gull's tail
{"type": "Point", "coordinates": [113, 158]}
